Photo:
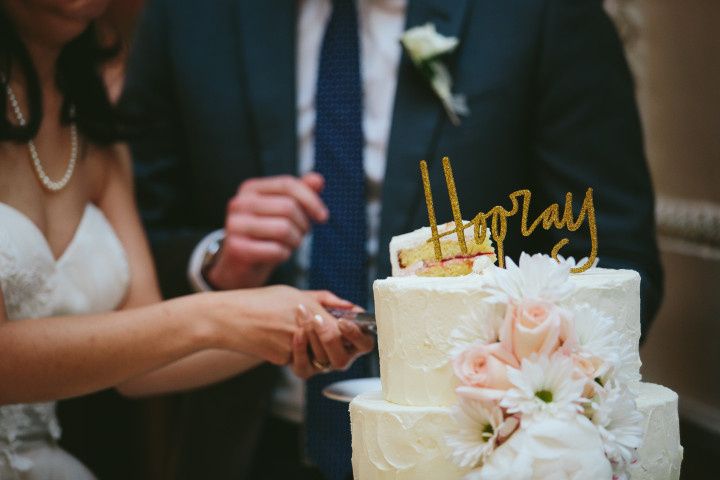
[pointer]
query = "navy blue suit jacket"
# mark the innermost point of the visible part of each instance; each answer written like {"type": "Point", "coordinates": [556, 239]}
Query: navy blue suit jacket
{"type": "Point", "coordinates": [552, 109]}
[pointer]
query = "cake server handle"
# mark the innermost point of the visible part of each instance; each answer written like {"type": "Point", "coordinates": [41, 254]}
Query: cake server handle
{"type": "Point", "coordinates": [364, 320]}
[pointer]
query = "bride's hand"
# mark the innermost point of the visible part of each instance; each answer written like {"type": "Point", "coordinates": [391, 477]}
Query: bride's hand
{"type": "Point", "coordinates": [326, 343]}
{"type": "Point", "coordinates": [262, 321]}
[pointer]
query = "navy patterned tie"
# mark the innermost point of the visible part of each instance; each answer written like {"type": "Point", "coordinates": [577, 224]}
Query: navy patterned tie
{"type": "Point", "coordinates": [338, 259]}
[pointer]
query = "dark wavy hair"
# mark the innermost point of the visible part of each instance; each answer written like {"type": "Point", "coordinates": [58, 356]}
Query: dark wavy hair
{"type": "Point", "coordinates": [77, 77]}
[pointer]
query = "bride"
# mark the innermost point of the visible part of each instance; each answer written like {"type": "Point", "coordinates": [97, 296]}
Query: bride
{"type": "Point", "coordinates": [74, 258]}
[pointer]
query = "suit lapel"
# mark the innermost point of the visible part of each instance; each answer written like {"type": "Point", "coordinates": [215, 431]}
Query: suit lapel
{"type": "Point", "coordinates": [417, 116]}
{"type": "Point", "coordinates": [267, 32]}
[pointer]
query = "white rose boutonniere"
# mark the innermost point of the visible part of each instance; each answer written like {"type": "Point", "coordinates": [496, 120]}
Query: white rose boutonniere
{"type": "Point", "coordinates": [425, 47]}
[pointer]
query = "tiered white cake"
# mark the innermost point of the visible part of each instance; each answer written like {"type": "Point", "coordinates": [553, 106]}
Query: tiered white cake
{"type": "Point", "coordinates": [402, 434]}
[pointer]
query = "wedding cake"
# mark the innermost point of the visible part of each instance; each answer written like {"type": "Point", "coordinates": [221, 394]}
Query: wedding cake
{"type": "Point", "coordinates": [526, 372]}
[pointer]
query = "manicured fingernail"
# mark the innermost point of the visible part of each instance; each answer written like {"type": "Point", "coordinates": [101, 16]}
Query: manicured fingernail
{"type": "Point", "coordinates": [319, 320]}
{"type": "Point", "coordinates": [302, 314]}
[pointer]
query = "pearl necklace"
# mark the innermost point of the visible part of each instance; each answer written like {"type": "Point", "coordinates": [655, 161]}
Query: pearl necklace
{"type": "Point", "coordinates": [51, 185]}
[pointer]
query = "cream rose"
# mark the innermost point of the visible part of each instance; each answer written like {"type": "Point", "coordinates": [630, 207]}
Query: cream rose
{"type": "Point", "coordinates": [533, 326]}
{"type": "Point", "coordinates": [424, 43]}
{"type": "Point", "coordinates": [485, 366]}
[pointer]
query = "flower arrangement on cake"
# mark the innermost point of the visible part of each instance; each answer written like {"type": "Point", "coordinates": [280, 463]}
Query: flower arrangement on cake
{"type": "Point", "coordinates": [543, 392]}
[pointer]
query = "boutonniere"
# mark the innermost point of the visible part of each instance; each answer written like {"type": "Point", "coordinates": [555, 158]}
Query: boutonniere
{"type": "Point", "coordinates": [426, 47]}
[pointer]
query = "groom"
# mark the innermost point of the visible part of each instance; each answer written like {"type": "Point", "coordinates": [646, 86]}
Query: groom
{"type": "Point", "coordinates": [245, 98]}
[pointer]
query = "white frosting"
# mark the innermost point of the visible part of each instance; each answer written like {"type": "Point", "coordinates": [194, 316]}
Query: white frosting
{"type": "Point", "coordinates": [417, 316]}
{"type": "Point", "coordinates": [401, 442]}
{"type": "Point", "coordinates": [661, 454]}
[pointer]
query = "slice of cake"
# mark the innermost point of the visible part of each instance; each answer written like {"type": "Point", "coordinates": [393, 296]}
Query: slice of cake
{"type": "Point", "coordinates": [414, 253]}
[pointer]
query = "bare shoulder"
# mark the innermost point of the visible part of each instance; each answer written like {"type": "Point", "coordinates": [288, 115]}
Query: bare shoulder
{"type": "Point", "coordinates": [116, 159]}
{"type": "Point", "coordinates": [111, 168]}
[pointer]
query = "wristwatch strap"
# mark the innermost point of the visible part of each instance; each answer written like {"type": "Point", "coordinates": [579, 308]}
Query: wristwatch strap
{"type": "Point", "coordinates": [202, 257]}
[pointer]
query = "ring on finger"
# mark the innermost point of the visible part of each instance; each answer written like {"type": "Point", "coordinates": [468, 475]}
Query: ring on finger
{"type": "Point", "coordinates": [322, 367]}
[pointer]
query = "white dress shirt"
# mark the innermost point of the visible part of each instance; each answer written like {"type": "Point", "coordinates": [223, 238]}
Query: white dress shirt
{"type": "Point", "coordinates": [381, 24]}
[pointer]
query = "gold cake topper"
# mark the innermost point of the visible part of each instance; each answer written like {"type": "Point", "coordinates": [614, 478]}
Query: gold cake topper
{"type": "Point", "coordinates": [498, 216]}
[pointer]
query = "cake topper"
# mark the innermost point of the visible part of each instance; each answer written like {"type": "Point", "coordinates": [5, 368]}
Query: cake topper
{"type": "Point", "coordinates": [549, 218]}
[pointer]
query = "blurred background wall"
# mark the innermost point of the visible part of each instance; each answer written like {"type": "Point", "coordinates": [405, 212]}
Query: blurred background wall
{"type": "Point", "coordinates": [674, 50]}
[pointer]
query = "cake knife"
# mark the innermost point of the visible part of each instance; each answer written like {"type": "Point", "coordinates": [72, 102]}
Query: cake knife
{"type": "Point", "coordinates": [364, 320]}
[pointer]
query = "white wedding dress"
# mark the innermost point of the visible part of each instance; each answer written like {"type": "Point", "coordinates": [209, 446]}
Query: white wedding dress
{"type": "Point", "coordinates": [91, 276]}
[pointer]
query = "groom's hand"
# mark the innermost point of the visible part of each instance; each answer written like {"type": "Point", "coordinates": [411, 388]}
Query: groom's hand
{"type": "Point", "coordinates": [266, 221]}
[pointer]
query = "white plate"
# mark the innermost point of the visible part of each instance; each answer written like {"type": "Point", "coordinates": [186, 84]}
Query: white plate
{"type": "Point", "coordinates": [346, 390]}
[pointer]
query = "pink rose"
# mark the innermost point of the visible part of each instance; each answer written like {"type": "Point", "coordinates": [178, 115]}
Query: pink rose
{"type": "Point", "coordinates": [485, 366]}
{"type": "Point", "coordinates": [533, 326]}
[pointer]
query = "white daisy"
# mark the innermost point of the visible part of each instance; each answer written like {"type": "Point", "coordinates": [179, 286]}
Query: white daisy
{"type": "Point", "coordinates": [570, 261]}
{"type": "Point", "coordinates": [620, 423]}
{"type": "Point", "coordinates": [596, 340]}
{"type": "Point", "coordinates": [594, 332]}
{"type": "Point", "coordinates": [478, 428]}
{"type": "Point", "coordinates": [478, 326]}
{"type": "Point", "coordinates": [536, 277]}
{"type": "Point", "coordinates": [627, 369]}
{"type": "Point", "coordinates": [544, 384]}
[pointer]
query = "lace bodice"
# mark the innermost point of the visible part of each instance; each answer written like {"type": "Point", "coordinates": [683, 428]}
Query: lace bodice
{"type": "Point", "coordinates": [92, 275]}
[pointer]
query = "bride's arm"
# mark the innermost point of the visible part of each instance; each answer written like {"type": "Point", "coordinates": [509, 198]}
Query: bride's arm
{"type": "Point", "coordinates": [57, 357]}
{"type": "Point", "coordinates": [50, 358]}
{"type": "Point", "coordinates": [197, 370]}
{"type": "Point", "coordinates": [339, 343]}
